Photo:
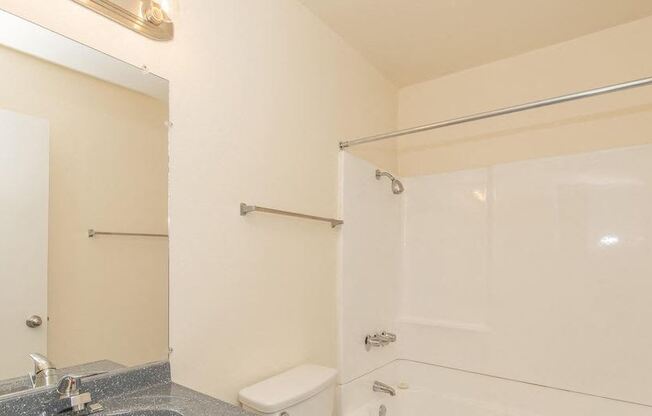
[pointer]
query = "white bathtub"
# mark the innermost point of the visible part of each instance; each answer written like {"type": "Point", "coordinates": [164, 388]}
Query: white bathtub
{"type": "Point", "coordinates": [421, 402]}
{"type": "Point", "coordinates": [437, 391]}
{"type": "Point", "coordinates": [424, 404]}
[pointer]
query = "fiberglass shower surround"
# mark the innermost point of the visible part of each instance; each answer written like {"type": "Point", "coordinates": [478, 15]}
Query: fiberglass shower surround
{"type": "Point", "coordinates": [487, 277]}
{"type": "Point", "coordinates": [463, 264]}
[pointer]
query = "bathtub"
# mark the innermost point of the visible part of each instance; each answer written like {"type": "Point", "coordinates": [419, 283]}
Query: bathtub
{"type": "Point", "coordinates": [426, 404]}
{"type": "Point", "coordinates": [431, 390]}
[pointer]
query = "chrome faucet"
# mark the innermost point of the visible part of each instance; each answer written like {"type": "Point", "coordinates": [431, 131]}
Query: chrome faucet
{"type": "Point", "coordinates": [384, 388]}
{"type": "Point", "coordinates": [379, 340]}
{"type": "Point", "coordinates": [68, 390]}
{"type": "Point", "coordinates": [45, 373]}
{"type": "Point", "coordinates": [388, 336]}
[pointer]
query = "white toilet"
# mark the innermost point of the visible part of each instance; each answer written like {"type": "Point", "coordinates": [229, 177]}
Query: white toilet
{"type": "Point", "coordinates": [307, 390]}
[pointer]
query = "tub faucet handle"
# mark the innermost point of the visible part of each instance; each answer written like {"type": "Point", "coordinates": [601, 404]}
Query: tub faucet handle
{"type": "Point", "coordinates": [379, 340]}
{"type": "Point", "coordinates": [388, 336]}
{"type": "Point", "coordinates": [374, 340]}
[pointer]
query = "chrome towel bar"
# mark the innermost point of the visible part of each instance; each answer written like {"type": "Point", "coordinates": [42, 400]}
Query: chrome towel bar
{"type": "Point", "coordinates": [92, 233]}
{"type": "Point", "coordinates": [246, 209]}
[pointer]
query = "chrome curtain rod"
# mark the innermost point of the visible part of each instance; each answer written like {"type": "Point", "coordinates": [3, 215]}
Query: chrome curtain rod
{"type": "Point", "coordinates": [246, 209]}
{"type": "Point", "coordinates": [501, 111]}
{"type": "Point", "coordinates": [92, 233]}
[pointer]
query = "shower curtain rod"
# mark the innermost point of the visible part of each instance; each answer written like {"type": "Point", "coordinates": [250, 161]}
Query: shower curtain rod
{"type": "Point", "coordinates": [500, 112]}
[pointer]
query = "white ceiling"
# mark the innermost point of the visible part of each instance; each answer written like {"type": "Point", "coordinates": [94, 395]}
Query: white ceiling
{"type": "Point", "coordinates": [416, 40]}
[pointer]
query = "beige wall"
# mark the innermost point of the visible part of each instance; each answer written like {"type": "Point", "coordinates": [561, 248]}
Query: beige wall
{"type": "Point", "coordinates": [254, 296]}
{"type": "Point", "coordinates": [261, 93]}
{"type": "Point", "coordinates": [615, 55]}
{"type": "Point", "coordinates": [108, 171]}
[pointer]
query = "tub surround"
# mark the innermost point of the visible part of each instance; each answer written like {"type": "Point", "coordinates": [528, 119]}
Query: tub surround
{"type": "Point", "coordinates": [134, 391]}
{"type": "Point", "coordinates": [498, 267]}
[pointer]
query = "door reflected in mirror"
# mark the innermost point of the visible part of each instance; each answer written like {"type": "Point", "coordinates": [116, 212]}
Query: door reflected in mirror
{"type": "Point", "coordinates": [83, 145]}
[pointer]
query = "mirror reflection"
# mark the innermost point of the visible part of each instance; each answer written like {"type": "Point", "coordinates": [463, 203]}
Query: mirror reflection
{"type": "Point", "coordinates": [83, 146]}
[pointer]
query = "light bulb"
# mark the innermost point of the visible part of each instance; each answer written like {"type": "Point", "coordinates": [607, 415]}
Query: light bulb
{"type": "Point", "coordinates": [170, 7]}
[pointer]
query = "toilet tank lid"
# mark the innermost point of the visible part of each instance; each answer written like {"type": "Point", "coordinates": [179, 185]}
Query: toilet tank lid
{"type": "Point", "coordinates": [288, 388]}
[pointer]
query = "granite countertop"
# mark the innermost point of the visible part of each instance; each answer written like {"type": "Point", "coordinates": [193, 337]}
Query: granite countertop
{"type": "Point", "coordinates": [169, 397]}
{"type": "Point", "coordinates": [139, 391]}
{"type": "Point", "coordinates": [17, 384]}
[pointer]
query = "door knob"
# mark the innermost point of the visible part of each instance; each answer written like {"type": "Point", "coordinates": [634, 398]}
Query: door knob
{"type": "Point", "coordinates": [34, 321]}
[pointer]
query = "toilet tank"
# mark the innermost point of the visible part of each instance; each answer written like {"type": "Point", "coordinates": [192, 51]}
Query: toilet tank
{"type": "Point", "coordinates": [307, 390]}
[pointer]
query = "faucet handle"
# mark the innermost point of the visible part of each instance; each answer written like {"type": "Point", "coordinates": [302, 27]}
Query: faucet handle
{"type": "Point", "coordinates": [379, 340]}
{"type": "Point", "coordinates": [388, 336]}
{"type": "Point", "coordinates": [69, 385]}
{"type": "Point", "coordinates": [373, 341]}
{"type": "Point", "coordinates": [79, 402]}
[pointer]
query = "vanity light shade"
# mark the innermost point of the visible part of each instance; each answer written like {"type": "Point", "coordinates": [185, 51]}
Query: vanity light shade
{"type": "Point", "coordinates": [148, 17]}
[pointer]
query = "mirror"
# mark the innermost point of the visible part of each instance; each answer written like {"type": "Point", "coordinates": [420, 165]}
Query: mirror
{"type": "Point", "coordinates": [83, 146]}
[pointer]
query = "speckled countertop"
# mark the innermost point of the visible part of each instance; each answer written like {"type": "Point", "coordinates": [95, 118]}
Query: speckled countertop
{"type": "Point", "coordinates": [172, 398]}
{"type": "Point", "coordinates": [139, 391]}
{"type": "Point", "coordinates": [13, 385]}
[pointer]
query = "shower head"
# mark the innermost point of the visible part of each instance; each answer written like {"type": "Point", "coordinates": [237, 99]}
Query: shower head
{"type": "Point", "coordinates": [397, 186]}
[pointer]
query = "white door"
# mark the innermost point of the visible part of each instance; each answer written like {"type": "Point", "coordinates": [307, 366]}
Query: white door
{"type": "Point", "coordinates": [24, 183]}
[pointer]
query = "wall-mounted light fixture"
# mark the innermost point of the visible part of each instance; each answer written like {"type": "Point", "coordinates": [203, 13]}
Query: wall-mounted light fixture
{"type": "Point", "coordinates": [150, 18]}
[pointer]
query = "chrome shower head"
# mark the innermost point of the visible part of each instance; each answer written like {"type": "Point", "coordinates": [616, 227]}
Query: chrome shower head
{"type": "Point", "coordinates": [397, 186]}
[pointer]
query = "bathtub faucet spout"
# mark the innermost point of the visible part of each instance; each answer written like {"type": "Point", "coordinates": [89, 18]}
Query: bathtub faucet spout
{"type": "Point", "coordinates": [384, 388]}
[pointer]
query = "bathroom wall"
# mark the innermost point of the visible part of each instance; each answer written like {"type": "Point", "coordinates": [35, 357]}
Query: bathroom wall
{"type": "Point", "coordinates": [611, 56]}
{"type": "Point", "coordinates": [108, 171]}
{"type": "Point", "coordinates": [370, 262]}
{"type": "Point", "coordinates": [260, 94]}
{"type": "Point", "coordinates": [535, 271]}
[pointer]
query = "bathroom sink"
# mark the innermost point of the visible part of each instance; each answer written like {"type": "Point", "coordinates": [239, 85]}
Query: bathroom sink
{"type": "Point", "coordinates": [138, 391]}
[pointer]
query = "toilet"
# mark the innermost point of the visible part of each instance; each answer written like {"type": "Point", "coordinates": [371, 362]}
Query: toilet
{"type": "Point", "coordinates": [307, 390]}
